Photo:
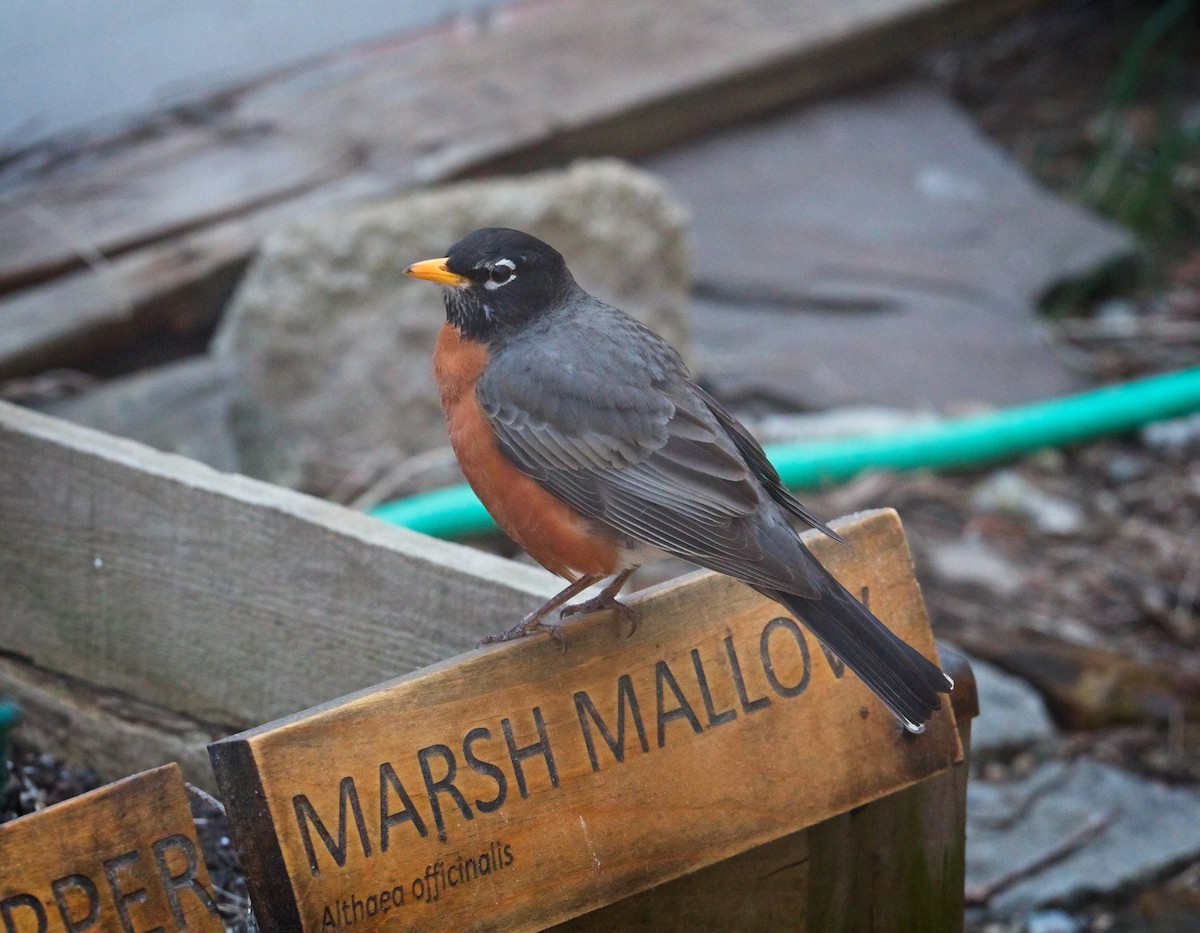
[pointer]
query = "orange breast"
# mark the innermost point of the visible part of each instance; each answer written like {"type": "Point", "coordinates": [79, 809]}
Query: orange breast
{"type": "Point", "coordinates": [552, 533]}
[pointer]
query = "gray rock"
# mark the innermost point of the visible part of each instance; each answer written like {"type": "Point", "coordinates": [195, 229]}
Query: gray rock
{"type": "Point", "coordinates": [1173, 436]}
{"type": "Point", "coordinates": [1009, 491]}
{"type": "Point", "coordinates": [1053, 921]}
{"type": "Point", "coordinates": [182, 408]}
{"type": "Point", "coordinates": [970, 560]}
{"type": "Point", "coordinates": [1012, 715]}
{"type": "Point", "coordinates": [1124, 468]}
{"type": "Point", "coordinates": [1116, 318]}
{"type": "Point", "coordinates": [839, 423]}
{"type": "Point", "coordinates": [876, 249]}
{"type": "Point", "coordinates": [1143, 830]}
{"type": "Point", "coordinates": [332, 343]}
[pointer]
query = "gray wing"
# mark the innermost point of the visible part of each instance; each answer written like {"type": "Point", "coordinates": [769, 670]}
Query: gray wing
{"type": "Point", "coordinates": [602, 415]}
{"type": "Point", "coordinates": [764, 471]}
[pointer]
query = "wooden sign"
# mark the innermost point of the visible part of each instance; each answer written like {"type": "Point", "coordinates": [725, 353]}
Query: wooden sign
{"type": "Point", "coordinates": [518, 786]}
{"type": "Point", "coordinates": [122, 858]}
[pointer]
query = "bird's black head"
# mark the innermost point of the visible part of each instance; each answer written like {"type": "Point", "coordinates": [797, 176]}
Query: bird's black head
{"type": "Point", "coordinates": [496, 279]}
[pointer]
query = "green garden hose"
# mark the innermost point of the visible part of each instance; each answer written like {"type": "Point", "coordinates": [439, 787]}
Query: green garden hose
{"type": "Point", "coordinates": [455, 512]}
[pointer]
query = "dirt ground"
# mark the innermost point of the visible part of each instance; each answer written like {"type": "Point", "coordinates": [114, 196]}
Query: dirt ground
{"type": "Point", "coordinates": [1100, 102]}
{"type": "Point", "coordinates": [1094, 596]}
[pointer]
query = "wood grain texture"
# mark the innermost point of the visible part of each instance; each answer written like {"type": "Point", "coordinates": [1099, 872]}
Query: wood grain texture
{"type": "Point", "coordinates": [750, 733]}
{"type": "Point", "coordinates": [536, 84]}
{"type": "Point", "coordinates": [215, 595]}
{"type": "Point", "coordinates": [895, 865]}
{"type": "Point", "coordinates": [109, 732]}
{"type": "Point", "coordinates": [177, 286]}
{"type": "Point", "coordinates": [143, 193]}
{"type": "Point", "coordinates": [124, 856]}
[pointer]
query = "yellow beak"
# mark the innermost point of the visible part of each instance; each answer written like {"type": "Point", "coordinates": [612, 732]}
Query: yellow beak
{"type": "Point", "coordinates": [434, 270]}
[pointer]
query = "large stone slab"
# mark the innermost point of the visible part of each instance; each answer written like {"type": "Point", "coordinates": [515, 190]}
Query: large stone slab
{"type": "Point", "coordinates": [876, 249]}
{"type": "Point", "coordinates": [332, 344]}
{"type": "Point", "coordinates": [1140, 830]}
{"type": "Point", "coordinates": [181, 408]}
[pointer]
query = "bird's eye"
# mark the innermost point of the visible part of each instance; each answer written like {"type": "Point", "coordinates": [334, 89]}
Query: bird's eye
{"type": "Point", "coordinates": [501, 274]}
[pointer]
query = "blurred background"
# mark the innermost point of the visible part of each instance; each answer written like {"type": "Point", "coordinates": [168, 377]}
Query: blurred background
{"type": "Point", "coordinates": [70, 66]}
{"type": "Point", "coordinates": [856, 220]}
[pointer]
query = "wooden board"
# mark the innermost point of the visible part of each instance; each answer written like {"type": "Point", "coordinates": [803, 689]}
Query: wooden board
{"type": "Point", "coordinates": [110, 733]}
{"type": "Point", "coordinates": [519, 786]}
{"type": "Point", "coordinates": [177, 286]}
{"type": "Point", "coordinates": [227, 599]}
{"type": "Point", "coordinates": [537, 83]}
{"type": "Point", "coordinates": [124, 856]}
{"type": "Point", "coordinates": [895, 865]}
{"type": "Point", "coordinates": [169, 184]}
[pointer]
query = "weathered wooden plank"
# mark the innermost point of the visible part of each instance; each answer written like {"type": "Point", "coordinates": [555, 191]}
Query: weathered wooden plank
{"type": "Point", "coordinates": [704, 79]}
{"type": "Point", "coordinates": [152, 189]}
{"type": "Point", "coordinates": [176, 287]}
{"type": "Point", "coordinates": [79, 317]}
{"type": "Point", "coordinates": [1090, 686]}
{"type": "Point", "coordinates": [897, 866]}
{"type": "Point", "coordinates": [615, 765]}
{"type": "Point", "coordinates": [894, 865]}
{"type": "Point", "coordinates": [112, 733]}
{"type": "Point", "coordinates": [537, 84]}
{"type": "Point", "coordinates": [121, 857]}
{"type": "Point", "coordinates": [221, 597]}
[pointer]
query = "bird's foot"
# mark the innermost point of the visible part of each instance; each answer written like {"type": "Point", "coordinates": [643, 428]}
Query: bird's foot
{"type": "Point", "coordinates": [534, 622]}
{"type": "Point", "coordinates": [600, 602]}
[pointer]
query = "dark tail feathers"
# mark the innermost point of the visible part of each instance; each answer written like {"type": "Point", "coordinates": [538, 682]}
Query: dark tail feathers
{"type": "Point", "coordinates": [899, 675]}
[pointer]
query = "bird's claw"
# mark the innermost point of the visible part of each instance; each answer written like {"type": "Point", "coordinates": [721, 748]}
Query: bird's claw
{"type": "Point", "coordinates": [602, 602]}
{"type": "Point", "coordinates": [527, 626]}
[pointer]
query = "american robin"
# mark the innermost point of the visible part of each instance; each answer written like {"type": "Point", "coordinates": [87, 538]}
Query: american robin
{"type": "Point", "coordinates": [583, 434]}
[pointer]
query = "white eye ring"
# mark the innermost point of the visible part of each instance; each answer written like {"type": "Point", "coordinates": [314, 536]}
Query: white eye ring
{"type": "Point", "coordinates": [491, 284]}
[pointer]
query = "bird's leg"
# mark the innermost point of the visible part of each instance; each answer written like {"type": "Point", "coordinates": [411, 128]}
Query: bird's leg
{"type": "Point", "coordinates": [607, 599]}
{"type": "Point", "coordinates": [533, 620]}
